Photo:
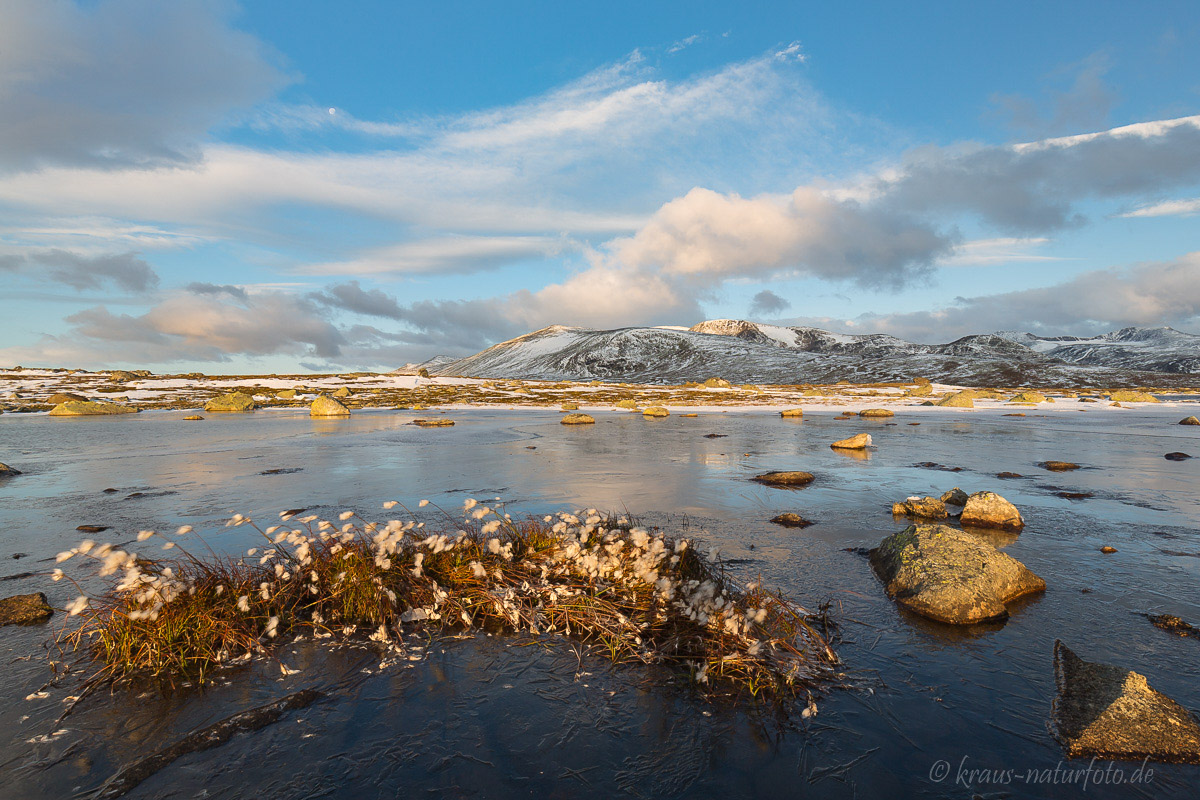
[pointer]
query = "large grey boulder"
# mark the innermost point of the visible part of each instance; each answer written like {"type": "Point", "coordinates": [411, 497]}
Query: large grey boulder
{"type": "Point", "coordinates": [23, 609]}
{"type": "Point", "coordinates": [1110, 712]}
{"type": "Point", "coordinates": [990, 510]}
{"type": "Point", "coordinates": [88, 408]}
{"type": "Point", "coordinates": [950, 575]}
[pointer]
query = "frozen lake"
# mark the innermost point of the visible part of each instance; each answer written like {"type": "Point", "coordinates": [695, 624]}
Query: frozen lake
{"type": "Point", "coordinates": [498, 717]}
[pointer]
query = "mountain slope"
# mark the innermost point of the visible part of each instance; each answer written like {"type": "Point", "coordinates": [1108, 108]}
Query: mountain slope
{"type": "Point", "coordinates": [748, 352]}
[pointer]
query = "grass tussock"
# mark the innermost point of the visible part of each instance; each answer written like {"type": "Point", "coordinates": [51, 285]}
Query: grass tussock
{"type": "Point", "coordinates": [632, 595]}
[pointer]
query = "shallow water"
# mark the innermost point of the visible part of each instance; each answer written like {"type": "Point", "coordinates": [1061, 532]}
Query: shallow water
{"type": "Point", "coordinates": [514, 717]}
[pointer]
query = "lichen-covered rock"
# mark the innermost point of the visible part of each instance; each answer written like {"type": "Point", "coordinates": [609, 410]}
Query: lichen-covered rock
{"type": "Point", "coordinates": [1132, 396]}
{"type": "Point", "coordinates": [921, 390]}
{"type": "Point", "coordinates": [578, 419]}
{"type": "Point", "coordinates": [990, 510]}
{"type": "Point", "coordinates": [955, 497]}
{"type": "Point", "coordinates": [570, 406]}
{"type": "Point", "coordinates": [1189, 421]}
{"type": "Point", "coordinates": [920, 508]}
{"type": "Point", "coordinates": [792, 412]}
{"type": "Point", "coordinates": [950, 575]}
{"type": "Point", "coordinates": [234, 402]}
{"type": "Point", "coordinates": [121, 376]}
{"type": "Point", "coordinates": [655, 411]}
{"type": "Point", "coordinates": [440, 422]}
{"type": "Point", "coordinates": [717, 383]}
{"type": "Point", "coordinates": [1109, 712]}
{"type": "Point", "coordinates": [193, 418]}
{"type": "Point", "coordinates": [325, 406]}
{"type": "Point", "coordinates": [23, 609]}
{"type": "Point", "coordinates": [7, 472]}
{"type": "Point", "coordinates": [629, 404]}
{"type": "Point", "coordinates": [86, 408]}
{"type": "Point", "coordinates": [859, 441]}
{"type": "Point", "coordinates": [344, 391]}
{"type": "Point", "coordinates": [876, 412]}
{"type": "Point", "coordinates": [286, 394]}
{"type": "Point", "coordinates": [957, 400]}
{"type": "Point", "coordinates": [785, 478]}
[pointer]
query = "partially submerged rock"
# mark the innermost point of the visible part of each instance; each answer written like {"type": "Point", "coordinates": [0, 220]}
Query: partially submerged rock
{"type": "Point", "coordinates": [957, 400]}
{"type": "Point", "coordinates": [192, 418]}
{"type": "Point", "coordinates": [876, 412]}
{"type": "Point", "coordinates": [920, 508]}
{"type": "Point", "coordinates": [87, 408]}
{"type": "Point", "coordinates": [7, 472]}
{"type": "Point", "coordinates": [1173, 624]}
{"type": "Point", "coordinates": [656, 411]}
{"type": "Point", "coordinates": [785, 478]}
{"type": "Point", "coordinates": [325, 406]}
{"type": "Point", "coordinates": [1110, 712]}
{"type": "Point", "coordinates": [792, 412]}
{"type": "Point", "coordinates": [1177, 456]}
{"type": "Point", "coordinates": [791, 519]}
{"type": "Point", "coordinates": [955, 497]}
{"type": "Point", "coordinates": [234, 402]}
{"type": "Point", "coordinates": [859, 441]}
{"type": "Point", "coordinates": [990, 510]}
{"type": "Point", "coordinates": [578, 419]}
{"type": "Point", "coordinates": [441, 422]}
{"type": "Point", "coordinates": [1058, 466]}
{"type": "Point", "coordinates": [24, 609]}
{"type": "Point", "coordinates": [950, 575]}
{"type": "Point", "coordinates": [1132, 396]}
{"type": "Point", "coordinates": [1189, 421]}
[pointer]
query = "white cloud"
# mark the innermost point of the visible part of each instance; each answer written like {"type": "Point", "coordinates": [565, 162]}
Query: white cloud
{"type": "Point", "coordinates": [1167, 208]}
{"type": "Point", "coordinates": [446, 255]}
{"type": "Point", "coordinates": [1001, 250]}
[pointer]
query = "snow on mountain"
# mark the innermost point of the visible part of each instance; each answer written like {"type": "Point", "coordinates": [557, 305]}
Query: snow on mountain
{"type": "Point", "coordinates": [748, 352]}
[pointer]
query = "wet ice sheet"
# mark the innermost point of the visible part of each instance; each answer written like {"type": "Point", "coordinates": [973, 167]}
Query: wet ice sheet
{"type": "Point", "coordinates": [487, 717]}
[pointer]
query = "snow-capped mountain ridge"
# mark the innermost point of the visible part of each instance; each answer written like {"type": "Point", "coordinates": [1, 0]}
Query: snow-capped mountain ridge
{"type": "Point", "coordinates": [745, 352]}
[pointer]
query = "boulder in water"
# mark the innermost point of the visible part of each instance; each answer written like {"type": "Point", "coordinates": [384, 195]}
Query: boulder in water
{"type": "Point", "coordinates": [955, 497]}
{"type": "Point", "coordinates": [791, 519]}
{"type": "Point", "coordinates": [920, 508]}
{"type": "Point", "coordinates": [785, 479]}
{"type": "Point", "coordinates": [950, 575]}
{"type": "Point", "coordinates": [7, 472]}
{"type": "Point", "coordinates": [578, 419]}
{"type": "Point", "coordinates": [876, 412]}
{"type": "Point", "coordinates": [859, 441]}
{"type": "Point", "coordinates": [1110, 712]}
{"type": "Point", "coordinates": [656, 411]}
{"type": "Point", "coordinates": [990, 510]}
{"type": "Point", "coordinates": [24, 609]}
{"type": "Point", "coordinates": [1058, 466]}
{"type": "Point", "coordinates": [1189, 421]}
{"type": "Point", "coordinates": [325, 406]}
{"type": "Point", "coordinates": [792, 412]}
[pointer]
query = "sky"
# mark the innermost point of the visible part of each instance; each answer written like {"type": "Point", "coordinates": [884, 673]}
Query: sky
{"type": "Point", "coordinates": [278, 187]}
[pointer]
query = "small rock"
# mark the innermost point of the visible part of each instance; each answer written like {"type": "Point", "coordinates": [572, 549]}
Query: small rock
{"type": "Point", "coordinates": [1107, 549]}
{"type": "Point", "coordinates": [23, 609]}
{"type": "Point", "coordinates": [856, 442]}
{"type": "Point", "coordinates": [1176, 456]}
{"type": "Point", "coordinates": [64, 397]}
{"type": "Point", "coordinates": [569, 406]}
{"type": "Point", "coordinates": [689, 415]}
{"type": "Point", "coordinates": [578, 419]}
{"type": "Point", "coordinates": [1029, 397]}
{"type": "Point", "coordinates": [234, 402]}
{"type": "Point", "coordinates": [920, 508]}
{"type": "Point", "coordinates": [433, 423]}
{"type": "Point", "coordinates": [1058, 466]}
{"type": "Point", "coordinates": [990, 510]}
{"type": "Point", "coordinates": [955, 497]}
{"type": "Point", "coordinates": [92, 528]}
{"type": "Point", "coordinates": [715, 435]}
{"type": "Point", "coordinates": [950, 575]}
{"type": "Point", "coordinates": [86, 408]}
{"type": "Point", "coordinates": [1109, 712]}
{"type": "Point", "coordinates": [785, 479]}
{"type": "Point", "coordinates": [1173, 624]}
{"type": "Point", "coordinates": [1131, 396]}
{"type": "Point", "coordinates": [344, 391]}
{"type": "Point", "coordinates": [877, 412]}
{"type": "Point", "coordinates": [286, 394]}
{"type": "Point", "coordinates": [629, 404]}
{"type": "Point", "coordinates": [791, 519]}
{"type": "Point", "coordinates": [656, 411]}
{"type": "Point", "coordinates": [792, 412]}
{"type": "Point", "coordinates": [326, 406]}
{"type": "Point", "coordinates": [7, 472]}
{"type": "Point", "coordinates": [192, 418]}
{"type": "Point", "coordinates": [1074, 495]}
{"type": "Point", "coordinates": [717, 383]}
{"type": "Point", "coordinates": [1189, 421]}
{"type": "Point", "coordinates": [1007, 475]}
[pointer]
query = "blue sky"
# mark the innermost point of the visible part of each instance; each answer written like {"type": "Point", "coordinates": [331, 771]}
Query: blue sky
{"type": "Point", "coordinates": [277, 186]}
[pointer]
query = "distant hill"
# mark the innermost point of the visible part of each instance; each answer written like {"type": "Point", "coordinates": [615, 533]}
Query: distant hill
{"type": "Point", "coordinates": [750, 352]}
